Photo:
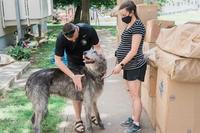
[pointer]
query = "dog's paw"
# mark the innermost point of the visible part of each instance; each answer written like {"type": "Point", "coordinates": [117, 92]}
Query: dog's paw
{"type": "Point", "coordinates": [101, 125]}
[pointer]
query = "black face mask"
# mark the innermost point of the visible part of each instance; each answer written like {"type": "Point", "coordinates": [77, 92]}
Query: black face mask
{"type": "Point", "coordinates": [127, 19]}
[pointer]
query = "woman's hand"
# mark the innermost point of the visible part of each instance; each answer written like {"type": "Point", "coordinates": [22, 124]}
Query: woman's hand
{"type": "Point", "coordinates": [117, 69]}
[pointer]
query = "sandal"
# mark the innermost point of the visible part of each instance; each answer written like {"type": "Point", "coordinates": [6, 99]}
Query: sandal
{"type": "Point", "coordinates": [94, 120]}
{"type": "Point", "coordinates": [79, 127]}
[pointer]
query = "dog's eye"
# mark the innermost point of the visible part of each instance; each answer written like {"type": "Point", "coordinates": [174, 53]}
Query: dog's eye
{"type": "Point", "coordinates": [94, 52]}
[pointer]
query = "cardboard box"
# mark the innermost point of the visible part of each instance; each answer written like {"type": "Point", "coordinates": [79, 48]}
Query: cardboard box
{"type": "Point", "coordinates": [150, 80]}
{"type": "Point", "coordinates": [153, 28]}
{"type": "Point", "coordinates": [147, 12]}
{"type": "Point", "coordinates": [177, 105]}
{"type": "Point", "coordinates": [149, 105]}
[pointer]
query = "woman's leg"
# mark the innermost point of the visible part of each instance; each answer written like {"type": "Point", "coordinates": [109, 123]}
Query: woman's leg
{"type": "Point", "coordinates": [135, 92]}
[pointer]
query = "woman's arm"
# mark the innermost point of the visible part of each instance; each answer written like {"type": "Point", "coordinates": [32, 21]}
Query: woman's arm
{"type": "Point", "coordinates": [136, 39]}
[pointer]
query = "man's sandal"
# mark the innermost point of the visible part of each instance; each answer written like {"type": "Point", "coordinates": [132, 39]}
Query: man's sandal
{"type": "Point", "coordinates": [94, 120]}
{"type": "Point", "coordinates": [79, 127]}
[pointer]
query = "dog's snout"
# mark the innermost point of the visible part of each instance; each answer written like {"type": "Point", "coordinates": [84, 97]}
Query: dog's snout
{"type": "Point", "coordinates": [84, 53]}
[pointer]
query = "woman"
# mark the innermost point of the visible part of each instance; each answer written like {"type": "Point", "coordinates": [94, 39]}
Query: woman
{"type": "Point", "coordinates": [131, 59]}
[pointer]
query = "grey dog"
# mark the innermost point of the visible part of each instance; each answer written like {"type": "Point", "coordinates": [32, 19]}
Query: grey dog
{"type": "Point", "coordinates": [42, 83]}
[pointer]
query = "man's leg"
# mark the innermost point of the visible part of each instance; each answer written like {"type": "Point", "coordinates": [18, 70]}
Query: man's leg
{"type": "Point", "coordinates": [77, 108]}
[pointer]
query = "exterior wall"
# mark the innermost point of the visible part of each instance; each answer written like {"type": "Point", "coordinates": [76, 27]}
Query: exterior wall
{"type": "Point", "coordinates": [175, 6]}
{"type": "Point", "coordinates": [6, 35]}
{"type": "Point", "coordinates": [6, 40]}
{"type": "Point", "coordinates": [38, 10]}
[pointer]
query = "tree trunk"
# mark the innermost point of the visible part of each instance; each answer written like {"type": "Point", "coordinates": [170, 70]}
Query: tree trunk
{"type": "Point", "coordinates": [77, 16]}
{"type": "Point", "coordinates": [85, 17]}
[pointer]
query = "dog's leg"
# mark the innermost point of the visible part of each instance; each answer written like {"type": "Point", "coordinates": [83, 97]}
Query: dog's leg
{"type": "Point", "coordinates": [88, 109]}
{"type": "Point", "coordinates": [97, 115]}
{"type": "Point", "coordinates": [33, 118]}
{"type": "Point", "coordinates": [40, 108]}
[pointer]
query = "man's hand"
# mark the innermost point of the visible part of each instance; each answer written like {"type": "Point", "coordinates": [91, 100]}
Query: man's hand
{"type": "Point", "coordinates": [77, 82]}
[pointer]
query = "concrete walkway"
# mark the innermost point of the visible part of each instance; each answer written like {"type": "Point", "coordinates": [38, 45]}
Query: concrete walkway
{"type": "Point", "coordinates": [10, 73]}
{"type": "Point", "coordinates": [114, 104]}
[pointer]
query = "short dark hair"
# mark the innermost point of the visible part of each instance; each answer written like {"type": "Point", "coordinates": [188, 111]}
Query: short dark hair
{"type": "Point", "coordinates": [130, 6]}
{"type": "Point", "coordinates": [69, 29]}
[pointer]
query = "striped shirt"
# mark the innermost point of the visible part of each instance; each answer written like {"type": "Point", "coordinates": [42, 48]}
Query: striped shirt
{"type": "Point", "coordinates": [125, 46]}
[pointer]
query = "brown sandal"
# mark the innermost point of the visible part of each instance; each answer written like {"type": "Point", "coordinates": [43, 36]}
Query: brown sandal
{"type": "Point", "coordinates": [79, 127]}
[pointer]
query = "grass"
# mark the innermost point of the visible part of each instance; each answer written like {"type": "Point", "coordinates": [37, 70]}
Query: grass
{"type": "Point", "coordinates": [43, 55]}
{"type": "Point", "coordinates": [16, 112]}
{"type": "Point", "coordinates": [112, 29]}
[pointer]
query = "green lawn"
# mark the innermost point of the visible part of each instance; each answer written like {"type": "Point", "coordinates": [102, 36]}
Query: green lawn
{"type": "Point", "coordinates": [44, 53]}
{"type": "Point", "coordinates": [16, 112]}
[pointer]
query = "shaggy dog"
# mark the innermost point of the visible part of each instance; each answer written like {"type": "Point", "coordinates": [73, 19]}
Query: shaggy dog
{"type": "Point", "coordinates": [42, 83]}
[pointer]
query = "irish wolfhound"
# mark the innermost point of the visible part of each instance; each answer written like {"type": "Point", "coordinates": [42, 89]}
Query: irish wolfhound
{"type": "Point", "coordinates": [42, 83]}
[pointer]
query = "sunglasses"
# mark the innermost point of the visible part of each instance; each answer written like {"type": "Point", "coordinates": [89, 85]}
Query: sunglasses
{"type": "Point", "coordinates": [70, 33]}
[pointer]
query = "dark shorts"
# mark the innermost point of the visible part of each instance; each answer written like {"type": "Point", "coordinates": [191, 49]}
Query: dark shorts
{"type": "Point", "coordinates": [135, 74]}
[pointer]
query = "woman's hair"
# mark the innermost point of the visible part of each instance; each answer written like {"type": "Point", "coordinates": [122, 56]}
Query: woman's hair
{"type": "Point", "coordinates": [130, 7]}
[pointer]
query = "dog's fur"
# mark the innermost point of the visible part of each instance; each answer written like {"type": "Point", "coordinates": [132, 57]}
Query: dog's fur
{"type": "Point", "coordinates": [42, 83]}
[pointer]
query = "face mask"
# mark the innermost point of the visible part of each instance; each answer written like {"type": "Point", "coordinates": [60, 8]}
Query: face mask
{"type": "Point", "coordinates": [127, 19]}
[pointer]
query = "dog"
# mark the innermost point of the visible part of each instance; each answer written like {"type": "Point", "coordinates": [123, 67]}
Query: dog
{"type": "Point", "coordinates": [41, 84]}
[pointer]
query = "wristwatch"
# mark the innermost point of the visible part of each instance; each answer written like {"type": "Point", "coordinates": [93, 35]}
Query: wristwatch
{"type": "Point", "coordinates": [122, 65]}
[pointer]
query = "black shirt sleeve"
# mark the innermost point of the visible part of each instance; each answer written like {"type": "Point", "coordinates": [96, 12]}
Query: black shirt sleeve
{"type": "Point", "coordinates": [93, 37]}
{"type": "Point", "coordinates": [59, 49]}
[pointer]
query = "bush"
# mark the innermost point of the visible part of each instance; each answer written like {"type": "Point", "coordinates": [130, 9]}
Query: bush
{"type": "Point", "coordinates": [19, 53]}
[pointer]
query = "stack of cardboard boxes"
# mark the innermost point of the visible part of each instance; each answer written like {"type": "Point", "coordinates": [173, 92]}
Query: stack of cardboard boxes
{"type": "Point", "coordinates": [174, 106]}
{"type": "Point", "coordinates": [178, 80]}
{"type": "Point", "coordinates": [148, 91]}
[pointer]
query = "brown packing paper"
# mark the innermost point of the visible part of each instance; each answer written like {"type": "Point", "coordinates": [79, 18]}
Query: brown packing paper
{"type": "Point", "coordinates": [150, 55]}
{"type": "Point", "coordinates": [178, 68]}
{"type": "Point", "coordinates": [153, 28]}
{"type": "Point", "coordinates": [177, 105]}
{"type": "Point", "coordinates": [183, 40]}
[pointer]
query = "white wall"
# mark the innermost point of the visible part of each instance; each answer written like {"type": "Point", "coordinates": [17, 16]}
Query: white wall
{"type": "Point", "coordinates": [175, 6]}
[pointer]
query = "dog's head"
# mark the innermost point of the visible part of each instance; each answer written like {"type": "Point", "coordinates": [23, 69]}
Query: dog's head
{"type": "Point", "coordinates": [96, 63]}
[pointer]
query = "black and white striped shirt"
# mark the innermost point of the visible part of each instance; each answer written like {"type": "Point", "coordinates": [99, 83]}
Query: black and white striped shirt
{"type": "Point", "coordinates": [125, 46]}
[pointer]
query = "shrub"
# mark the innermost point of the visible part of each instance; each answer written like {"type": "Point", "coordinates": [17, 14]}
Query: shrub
{"type": "Point", "coordinates": [19, 53]}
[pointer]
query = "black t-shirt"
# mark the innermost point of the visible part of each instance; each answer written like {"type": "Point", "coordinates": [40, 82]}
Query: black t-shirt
{"type": "Point", "coordinates": [86, 39]}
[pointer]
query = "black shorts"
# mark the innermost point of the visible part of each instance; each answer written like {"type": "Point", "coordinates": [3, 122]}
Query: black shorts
{"type": "Point", "coordinates": [135, 74]}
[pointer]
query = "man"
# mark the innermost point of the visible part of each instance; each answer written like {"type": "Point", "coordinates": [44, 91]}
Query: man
{"type": "Point", "coordinates": [75, 39]}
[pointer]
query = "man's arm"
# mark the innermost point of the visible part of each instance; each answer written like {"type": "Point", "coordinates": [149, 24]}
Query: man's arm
{"type": "Point", "coordinates": [76, 78]}
{"type": "Point", "coordinates": [63, 67]}
{"type": "Point", "coordinates": [98, 48]}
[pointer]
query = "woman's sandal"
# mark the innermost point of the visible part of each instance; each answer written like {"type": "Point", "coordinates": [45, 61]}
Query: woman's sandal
{"type": "Point", "coordinates": [79, 127]}
{"type": "Point", "coordinates": [94, 120]}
